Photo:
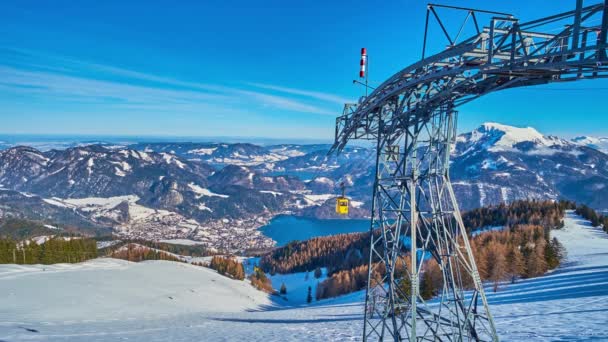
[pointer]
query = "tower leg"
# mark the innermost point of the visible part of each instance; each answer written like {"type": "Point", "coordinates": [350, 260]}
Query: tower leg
{"type": "Point", "coordinates": [418, 239]}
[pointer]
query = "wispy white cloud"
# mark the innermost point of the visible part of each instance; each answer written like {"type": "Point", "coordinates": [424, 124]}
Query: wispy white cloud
{"type": "Point", "coordinates": [285, 103]}
{"type": "Point", "coordinates": [63, 78]}
{"type": "Point", "coordinates": [306, 93]}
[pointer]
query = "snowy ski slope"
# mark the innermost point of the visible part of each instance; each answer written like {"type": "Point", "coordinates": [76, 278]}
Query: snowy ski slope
{"type": "Point", "coordinates": [112, 300]}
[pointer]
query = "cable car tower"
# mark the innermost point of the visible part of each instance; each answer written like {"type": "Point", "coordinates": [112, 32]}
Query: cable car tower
{"type": "Point", "coordinates": [412, 118]}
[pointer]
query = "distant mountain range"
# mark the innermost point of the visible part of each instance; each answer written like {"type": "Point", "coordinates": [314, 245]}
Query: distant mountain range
{"type": "Point", "coordinates": [495, 163]}
{"type": "Point", "coordinates": [220, 193]}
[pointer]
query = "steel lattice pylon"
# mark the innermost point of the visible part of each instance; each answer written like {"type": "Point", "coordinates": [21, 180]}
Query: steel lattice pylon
{"type": "Point", "coordinates": [415, 213]}
{"type": "Point", "coordinates": [411, 117]}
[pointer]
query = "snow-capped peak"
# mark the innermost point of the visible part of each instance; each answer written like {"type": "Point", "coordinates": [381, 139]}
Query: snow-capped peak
{"type": "Point", "coordinates": [495, 137]}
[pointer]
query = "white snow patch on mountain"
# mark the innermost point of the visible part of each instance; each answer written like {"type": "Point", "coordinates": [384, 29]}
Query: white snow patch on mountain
{"type": "Point", "coordinates": [203, 151]}
{"type": "Point", "coordinates": [119, 172]}
{"type": "Point", "coordinates": [90, 164]}
{"type": "Point", "coordinates": [202, 206]}
{"type": "Point", "coordinates": [122, 168]}
{"type": "Point", "coordinates": [318, 199]}
{"type": "Point", "coordinates": [237, 158]}
{"type": "Point", "coordinates": [185, 242]}
{"type": "Point", "coordinates": [106, 244]}
{"type": "Point", "coordinates": [482, 194]}
{"type": "Point", "coordinates": [323, 180]}
{"type": "Point", "coordinates": [94, 203]}
{"type": "Point", "coordinates": [547, 151]}
{"type": "Point", "coordinates": [172, 159]}
{"type": "Point", "coordinates": [274, 193]}
{"type": "Point", "coordinates": [504, 194]}
{"type": "Point", "coordinates": [287, 152]}
{"type": "Point", "coordinates": [55, 201]}
{"type": "Point", "coordinates": [488, 164]}
{"type": "Point", "coordinates": [356, 204]}
{"type": "Point", "coordinates": [56, 171]}
{"type": "Point", "coordinates": [204, 192]}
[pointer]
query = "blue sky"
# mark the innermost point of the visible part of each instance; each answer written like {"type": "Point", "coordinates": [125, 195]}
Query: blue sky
{"type": "Point", "coordinates": [237, 68]}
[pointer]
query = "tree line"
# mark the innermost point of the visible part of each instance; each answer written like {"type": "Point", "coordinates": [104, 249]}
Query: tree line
{"type": "Point", "coordinates": [228, 266]}
{"type": "Point", "coordinates": [136, 253]}
{"type": "Point", "coordinates": [522, 251]}
{"type": "Point", "coordinates": [187, 250]}
{"type": "Point", "coordinates": [54, 250]}
{"type": "Point", "coordinates": [336, 252]}
{"type": "Point", "coordinates": [591, 215]}
{"type": "Point", "coordinates": [540, 213]}
{"type": "Point", "coordinates": [260, 281]}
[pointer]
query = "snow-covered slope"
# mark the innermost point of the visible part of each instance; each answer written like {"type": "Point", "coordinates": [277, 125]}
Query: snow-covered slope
{"type": "Point", "coordinates": [109, 300]}
{"type": "Point", "coordinates": [112, 289]}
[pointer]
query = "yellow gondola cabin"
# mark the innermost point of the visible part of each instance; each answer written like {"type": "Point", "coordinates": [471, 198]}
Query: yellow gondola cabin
{"type": "Point", "coordinates": [342, 205]}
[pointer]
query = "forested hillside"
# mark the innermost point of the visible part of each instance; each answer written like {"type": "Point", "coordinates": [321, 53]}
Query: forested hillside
{"type": "Point", "coordinates": [335, 252]}
{"type": "Point", "coordinates": [542, 213]}
{"type": "Point", "coordinates": [20, 229]}
{"type": "Point", "coordinates": [522, 251]}
{"type": "Point", "coordinates": [228, 266]}
{"type": "Point", "coordinates": [346, 251]}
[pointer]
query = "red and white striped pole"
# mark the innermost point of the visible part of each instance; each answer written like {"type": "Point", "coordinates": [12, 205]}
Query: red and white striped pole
{"type": "Point", "coordinates": [363, 69]}
{"type": "Point", "coordinates": [363, 62]}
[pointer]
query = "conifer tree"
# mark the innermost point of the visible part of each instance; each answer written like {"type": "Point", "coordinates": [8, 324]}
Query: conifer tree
{"type": "Point", "coordinates": [498, 270]}
{"type": "Point", "coordinates": [515, 262]}
{"type": "Point", "coordinates": [283, 289]}
{"type": "Point", "coordinates": [309, 296]}
{"type": "Point", "coordinates": [404, 288]}
{"type": "Point", "coordinates": [318, 273]}
{"type": "Point", "coordinates": [427, 291]}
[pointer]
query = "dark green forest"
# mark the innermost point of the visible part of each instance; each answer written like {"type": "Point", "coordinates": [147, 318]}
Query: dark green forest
{"type": "Point", "coordinates": [55, 250]}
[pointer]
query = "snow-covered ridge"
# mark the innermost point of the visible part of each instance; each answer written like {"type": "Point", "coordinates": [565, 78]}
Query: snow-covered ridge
{"type": "Point", "coordinates": [497, 137]}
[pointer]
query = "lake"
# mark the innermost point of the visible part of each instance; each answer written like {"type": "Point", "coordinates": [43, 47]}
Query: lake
{"type": "Point", "coordinates": [286, 228]}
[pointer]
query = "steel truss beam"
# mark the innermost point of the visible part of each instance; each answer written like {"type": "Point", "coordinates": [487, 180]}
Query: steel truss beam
{"type": "Point", "coordinates": [411, 116]}
{"type": "Point", "coordinates": [505, 54]}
